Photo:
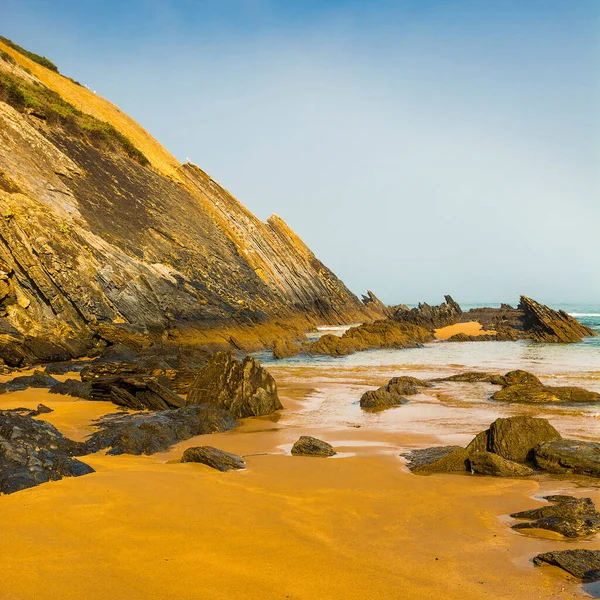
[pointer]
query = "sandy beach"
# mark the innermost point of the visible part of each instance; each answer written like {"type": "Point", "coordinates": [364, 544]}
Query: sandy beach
{"type": "Point", "coordinates": [358, 525]}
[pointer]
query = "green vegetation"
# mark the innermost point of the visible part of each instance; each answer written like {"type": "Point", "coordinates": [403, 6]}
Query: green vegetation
{"type": "Point", "coordinates": [47, 104]}
{"type": "Point", "coordinates": [5, 56]}
{"type": "Point", "coordinates": [64, 228]}
{"type": "Point", "coordinates": [41, 60]}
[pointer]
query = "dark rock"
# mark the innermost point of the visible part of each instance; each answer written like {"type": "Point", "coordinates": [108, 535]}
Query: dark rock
{"type": "Point", "coordinates": [431, 317]}
{"type": "Point", "coordinates": [97, 370]}
{"type": "Point", "coordinates": [543, 394]}
{"type": "Point", "coordinates": [34, 452]}
{"type": "Point", "coordinates": [77, 348]}
{"type": "Point", "coordinates": [65, 367]}
{"type": "Point", "coordinates": [72, 387]}
{"type": "Point", "coordinates": [482, 337]}
{"type": "Point", "coordinates": [41, 350]}
{"type": "Point", "coordinates": [118, 353]}
{"type": "Point", "coordinates": [137, 392]}
{"type": "Point", "coordinates": [43, 409]}
{"type": "Point", "coordinates": [583, 564]}
{"type": "Point", "coordinates": [479, 443]}
{"type": "Point", "coordinates": [572, 518]}
{"type": "Point", "coordinates": [147, 433]}
{"type": "Point", "coordinates": [310, 446]}
{"type": "Point", "coordinates": [30, 381]}
{"type": "Point", "coordinates": [244, 389]}
{"type": "Point", "coordinates": [544, 324]}
{"type": "Point", "coordinates": [213, 457]}
{"type": "Point", "coordinates": [559, 498]}
{"type": "Point", "coordinates": [515, 438]}
{"type": "Point", "coordinates": [475, 377]}
{"type": "Point", "coordinates": [487, 463]}
{"type": "Point", "coordinates": [392, 394]}
{"type": "Point", "coordinates": [519, 377]}
{"type": "Point", "coordinates": [569, 456]}
{"type": "Point", "coordinates": [443, 459]}
{"type": "Point", "coordinates": [13, 354]}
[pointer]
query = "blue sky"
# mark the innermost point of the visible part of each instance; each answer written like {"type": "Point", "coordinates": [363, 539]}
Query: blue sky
{"type": "Point", "coordinates": [419, 148]}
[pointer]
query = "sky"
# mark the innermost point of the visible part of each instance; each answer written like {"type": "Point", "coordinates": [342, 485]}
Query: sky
{"type": "Point", "coordinates": [419, 147]}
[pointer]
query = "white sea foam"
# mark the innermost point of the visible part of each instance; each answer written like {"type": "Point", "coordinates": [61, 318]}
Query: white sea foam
{"type": "Point", "coordinates": [585, 314]}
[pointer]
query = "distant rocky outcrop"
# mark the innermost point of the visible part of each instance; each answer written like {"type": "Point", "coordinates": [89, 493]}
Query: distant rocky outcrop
{"type": "Point", "coordinates": [150, 432]}
{"type": "Point", "coordinates": [34, 452]}
{"type": "Point", "coordinates": [213, 457]}
{"type": "Point", "coordinates": [431, 317]}
{"type": "Point", "coordinates": [307, 445]}
{"type": "Point", "coordinates": [245, 389]}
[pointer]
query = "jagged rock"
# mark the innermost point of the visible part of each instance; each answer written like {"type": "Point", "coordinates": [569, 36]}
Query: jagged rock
{"type": "Point", "coordinates": [26, 381]}
{"type": "Point", "coordinates": [571, 517]}
{"type": "Point", "coordinates": [431, 317]}
{"type": "Point", "coordinates": [72, 387]}
{"type": "Point", "coordinates": [392, 394]}
{"type": "Point", "coordinates": [515, 438]}
{"type": "Point", "coordinates": [581, 563]}
{"type": "Point", "coordinates": [65, 367]}
{"type": "Point", "coordinates": [385, 333]}
{"type": "Point", "coordinates": [310, 446]}
{"type": "Point", "coordinates": [137, 392]}
{"type": "Point", "coordinates": [544, 324]}
{"type": "Point", "coordinates": [443, 459]}
{"type": "Point", "coordinates": [147, 433]}
{"type": "Point", "coordinates": [464, 337]}
{"type": "Point", "coordinates": [34, 452]}
{"type": "Point", "coordinates": [475, 377]}
{"type": "Point", "coordinates": [244, 389]}
{"type": "Point", "coordinates": [43, 409]}
{"type": "Point", "coordinates": [487, 463]}
{"type": "Point", "coordinates": [285, 349]}
{"type": "Point", "coordinates": [569, 456]}
{"type": "Point", "coordinates": [213, 457]}
{"type": "Point", "coordinates": [373, 302]}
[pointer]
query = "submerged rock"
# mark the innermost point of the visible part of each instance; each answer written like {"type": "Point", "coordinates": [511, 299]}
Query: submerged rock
{"type": "Point", "coordinates": [569, 456]}
{"type": "Point", "coordinates": [310, 446]}
{"type": "Point", "coordinates": [244, 389]}
{"type": "Point", "coordinates": [72, 387]}
{"type": "Point", "coordinates": [475, 377]}
{"type": "Point", "coordinates": [443, 459]}
{"type": "Point", "coordinates": [583, 564]}
{"type": "Point", "coordinates": [488, 463]}
{"type": "Point", "coordinates": [213, 457]}
{"type": "Point", "coordinates": [147, 433]}
{"type": "Point", "coordinates": [34, 452]}
{"type": "Point", "coordinates": [571, 517]}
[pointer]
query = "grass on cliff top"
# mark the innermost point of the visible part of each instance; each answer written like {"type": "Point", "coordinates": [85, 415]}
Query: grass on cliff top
{"type": "Point", "coordinates": [40, 60]}
{"type": "Point", "coordinates": [45, 103]}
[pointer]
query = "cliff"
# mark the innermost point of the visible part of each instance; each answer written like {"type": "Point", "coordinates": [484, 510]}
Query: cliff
{"type": "Point", "coordinates": [101, 226]}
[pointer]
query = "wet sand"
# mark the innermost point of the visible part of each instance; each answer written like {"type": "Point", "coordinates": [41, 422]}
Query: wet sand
{"type": "Point", "coordinates": [354, 526]}
{"type": "Point", "coordinates": [468, 328]}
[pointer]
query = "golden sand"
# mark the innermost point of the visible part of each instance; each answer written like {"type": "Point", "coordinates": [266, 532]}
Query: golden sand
{"type": "Point", "coordinates": [354, 526]}
{"type": "Point", "coordinates": [470, 328]}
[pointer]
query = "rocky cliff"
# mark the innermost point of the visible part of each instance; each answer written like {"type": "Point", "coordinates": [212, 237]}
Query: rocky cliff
{"type": "Point", "coordinates": [101, 226]}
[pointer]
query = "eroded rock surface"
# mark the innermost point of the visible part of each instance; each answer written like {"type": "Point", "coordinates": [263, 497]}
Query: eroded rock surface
{"type": "Point", "coordinates": [581, 563]}
{"type": "Point", "coordinates": [569, 456]}
{"type": "Point", "coordinates": [488, 463]}
{"type": "Point", "coordinates": [311, 446]}
{"type": "Point", "coordinates": [213, 457]}
{"type": "Point", "coordinates": [137, 392]}
{"type": "Point", "coordinates": [443, 459]}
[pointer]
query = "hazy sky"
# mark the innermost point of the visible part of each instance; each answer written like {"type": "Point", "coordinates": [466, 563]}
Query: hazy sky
{"type": "Point", "coordinates": [419, 147]}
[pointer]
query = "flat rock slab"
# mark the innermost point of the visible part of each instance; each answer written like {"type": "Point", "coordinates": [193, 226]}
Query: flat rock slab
{"type": "Point", "coordinates": [30, 381]}
{"type": "Point", "coordinates": [583, 564]}
{"type": "Point", "coordinates": [487, 463]}
{"type": "Point", "coordinates": [213, 457]}
{"type": "Point", "coordinates": [569, 456]}
{"type": "Point", "coordinates": [440, 459]}
{"type": "Point", "coordinates": [572, 517]}
{"type": "Point", "coordinates": [310, 446]}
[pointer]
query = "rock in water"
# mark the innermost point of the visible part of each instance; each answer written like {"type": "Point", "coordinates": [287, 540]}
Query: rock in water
{"type": "Point", "coordinates": [244, 389]}
{"type": "Point", "coordinates": [392, 394]}
{"type": "Point", "coordinates": [571, 517]}
{"type": "Point", "coordinates": [310, 446]}
{"type": "Point", "coordinates": [515, 438]}
{"type": "Point", "coordinates": [147, 433]}
{"type": "Point", "coordinates": [475, 377]}
{"type": "Point", "coordinates": [443, 459]}
{"type": "Point", "coordinates": [431, 317]}
{"type": "Point", "coordinates": [569, 456]}
{"type": "Point", "coordinates": [487, 463]}
{"type": "Point", "coordinates": [544, 324]}
{"type": "Point", "coordinates": [213, 457]}
{"type": "Point", "coordinates": [34, 452]}
{"type": "Point", "coordinates": [583, 564]}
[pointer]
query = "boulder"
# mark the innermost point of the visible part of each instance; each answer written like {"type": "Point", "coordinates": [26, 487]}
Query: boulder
{"type": "Point", "coordinates": [431, 317]}
{"type": "Point", "coordinates": [487, 463]}
{"type": "Point", "coordinates": [213, 457]}
{"type": "Point", "coordinates": [515, 438]}
{"type": "Point", "coordinates": [147, 433]}
{"type": "Point", "coordinates": [34, 452]}
{"type": "Point", "coordinates": [310, 446]}
{"type": "Point", "coordinates": [74, 388]}
{"type": "Point", "coordinates": [520, 377]}
{"type": "Point", "coordinates": [569, 456]}
{"type": "Point", "coordinates": [244, 389]}
{"type": "Point", "coordinates": [443, 459]}
{"type": "Point", "coordinates": [286, 348]}
{"type": "Point", "coordinates": [380, 398]}
{"type": "Point", "coordinates": [583, 564]}
{"type": "Point", "coordinates": [570, 517]}
{"type": "Point", "coordinates": [30, 381]}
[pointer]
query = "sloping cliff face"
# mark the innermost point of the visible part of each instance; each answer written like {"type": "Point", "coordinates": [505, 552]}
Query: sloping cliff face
{"type": "Point", "coordinates": [100, 225]}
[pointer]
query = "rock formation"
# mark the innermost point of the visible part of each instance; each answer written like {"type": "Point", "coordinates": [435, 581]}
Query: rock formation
{"type": "Point", "coordinates": [488, 463]}
{"type": "Point", "coordinates": [244, 389]}
{"type": "Point", "coordinates": [213, 457]}
{"type": "Point", "coordinates": [74, 388]}
{"type": "Point", "coordinates": [442, 459]}
{"type": "Point", "coordinates": [136, 392]}
{"type": "Point", "coordinates": [581, 563]}
{"type": "Point", "coordinates": [431, 317]}
{"type": "Point", "coordinates": [569, 456]}
{"type": "Point", "coordinates": [307, 445]}
{"type": "Point", "coordinates": [393, 393]}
